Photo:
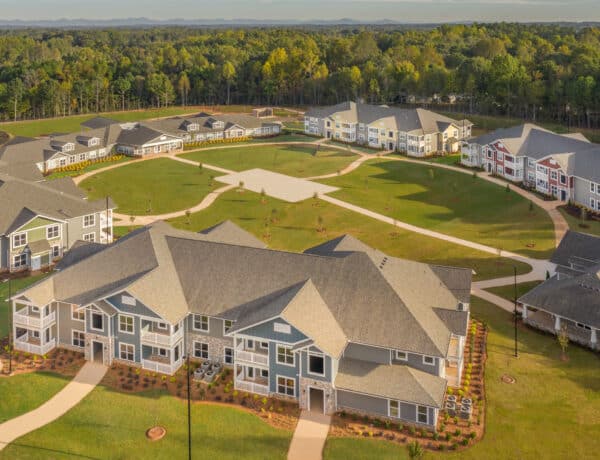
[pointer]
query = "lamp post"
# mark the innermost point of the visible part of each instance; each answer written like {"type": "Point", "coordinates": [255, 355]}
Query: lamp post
{"type": "Point", "coordinates": [515, 312]}
{"type": "Point", "coordinates": [7, 280]}
{"type": "Point", "coordinates": [189, 404]}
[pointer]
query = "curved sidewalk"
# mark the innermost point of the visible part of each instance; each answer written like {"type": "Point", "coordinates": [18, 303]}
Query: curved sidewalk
{"type": "Point", "coordinates": [82, 384]}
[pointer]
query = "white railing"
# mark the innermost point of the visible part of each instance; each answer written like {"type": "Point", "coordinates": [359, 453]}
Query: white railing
{"type": "Point", "coordinates": [250, 357]}
{"type": "Point", "coordinates": [252, 387]}
{"type": "Point", "coordinates": [167, 340]}
{"type": "Point", "coordinates": [34, 321]}
{"type": "Point", "coordinates": [23, 345]}
{"type": "Point", "coordinates": [163, 368]}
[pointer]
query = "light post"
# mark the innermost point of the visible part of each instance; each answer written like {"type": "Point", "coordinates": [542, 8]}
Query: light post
{"type": "Point", "coordinates": [189, 397]}
{"type": "Point", "coordinates": [7, 280]}
{"type": "Point", "coordinates": [515, 312]}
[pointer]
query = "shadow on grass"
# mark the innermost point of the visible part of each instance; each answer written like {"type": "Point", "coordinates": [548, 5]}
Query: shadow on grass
{"type": "Point", "coordinates": [49, 451]}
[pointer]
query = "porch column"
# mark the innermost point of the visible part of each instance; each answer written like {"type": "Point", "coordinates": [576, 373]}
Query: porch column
{"type": "Point", "coordinates": [594, 338]}
{"type": "Point", "coordinates": [524, 314]}
{"type": "Point", "coordinates": [557, 323]}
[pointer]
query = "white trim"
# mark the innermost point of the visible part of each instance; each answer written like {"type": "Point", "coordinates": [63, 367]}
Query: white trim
{"type": "Point", "coordinates": [225, 331]}
{"type": "Point", "coordinates": [277, 376]}
{"type": "Point", "coordinates": [389, 408]}
{"type": "Point", "coordinates": [19, 234]}
{"type": "Point", "coordinates": [277, 355]}
{"type": "Point", "coordinates": [73, 339]}
{"type": "Point", "coordinates": [125, 344]}
{"type": "Point", "coordinates": [319, 355]}
{"type": "Point", "coordinates": [50, 227]}
{"type": "Point", "coordinates": [419, 406]}
{"type": "Point", "coordinates": [77, 310]}
{"type": "Point", "coordinates": [86, 237]}
{"type": "Point", "coordinates": [200, 343]}
{"type": "Point", "coordinates": [132, 324]}
{"type": "Point", "coordinates": [322, 390]}
{"type": "Point", "coordinates": [232, 355]}
{"type": "Point", "coordinates": [432, 363]}
{"type": "Point", "coordinates": [398, 358]}
{"type": "Point", "coordinates": [93, 224]}
{"type": "Point", "coordinates": [194, 328]}
{"type": "Point", "coordinates": [92, 321]}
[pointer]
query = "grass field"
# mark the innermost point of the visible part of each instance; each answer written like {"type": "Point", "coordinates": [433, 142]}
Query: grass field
{"type": "Point", "coordinates": [449, 202]}
{"type": "Point", "coordinates": [15, 285]}
{"type": "Point", "coordinates": [551, 412]}
{"type": "Point", "coordinates": [24, 392]}
{"type": "Point", "coordinates": [107, 424]}
{"type": "Point", "coordinates": [293, 160]}
{"type": "Point", "coordinates": [591, 226]}
{"type": "Point", "coordinates": [151, 187]}
{"type": "Point", "coordinates": [295, 229]}
{"type": "Point", "coordinates": [508, 292]}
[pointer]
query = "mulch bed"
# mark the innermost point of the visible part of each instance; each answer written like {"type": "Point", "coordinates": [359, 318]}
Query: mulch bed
{"type": "Point", "coordinates": [60, 361]}
{"type": "Point", "coordinates": [453, 433]}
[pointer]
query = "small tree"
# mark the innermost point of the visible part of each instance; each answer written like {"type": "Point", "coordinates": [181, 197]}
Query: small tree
{"type": "Point", "coordinates": [200, 168]}
{"type": "Point", "coordinates": [316, 198]}
{"type": "Point", "coordinates": [431, 173]}
{"type": "Point", "coordinates": [263, 196]}
{"type": "Point", "coordinates": [583, 215]}
{"type": "Point", "coordinates": [508, 187]}
{"type": "Point", "coordinates": [188, 213]}
{"type": "Point", "coordinates": [415, 450]}
{"type": "Point", "coordinates": [241, 186]}
{"type": "Point", "coordinates": [131, 219]}
{"type": "Point", "coordinates": [563, 340]}
{"type": "Point", "coordinates": [320, 227]}
{"type": "Point", "coordinates": [210, 180]}
{"type": "Point", "coordinates": [273, 216]}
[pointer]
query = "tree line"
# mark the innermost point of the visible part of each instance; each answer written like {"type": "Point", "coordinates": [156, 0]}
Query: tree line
{"type": "Point", "coordinates": [547, 72]}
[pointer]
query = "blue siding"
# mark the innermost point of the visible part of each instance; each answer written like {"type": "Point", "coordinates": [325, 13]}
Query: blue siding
{"type": "Point", "coordinates": [122, 337]}
{"type": "Point", "coordinates": [266, 331]}
{"type": "Point", "coordinates": [304, 368]}
{"type": "Point", "coordinates": [139, 308]}
{"type": "Point", "coordinates": [276, 369]}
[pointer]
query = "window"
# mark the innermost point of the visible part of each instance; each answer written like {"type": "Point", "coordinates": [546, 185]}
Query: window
{"type": "Point", "coordinates": [401, 355]}
{"type": "Point", "coordinates": [162, 326]}
{"type": "Point", "coordinates": [77, 315]}
{"type": "Point", "coordinates": [563, 179]}
{"type": "Point", "coordinates": [316, 364]}
{"type": "Point", "coordinates": [286, 386]}
{"type": "Point", "coordinates": [78, 339]}
{"type": "Point", "coordinates": [499, 156]}
{"type": "Point", "coordinates": [126, 324]}
{"type": "Point", "coordinates": [228, 355]}
{"type": "Point", "coordinates": [201, 323]}
{"type": "Point", "coordinates": [429, 360]}
{"type": "Point", "coordinates": [201, 350]}
{"type": "Point", "coordinates": [394, 409]}
{"type": "Point", "coordinates": [55, 251]}
{"type": "Point", "coordinates": [592, 203]}
{"type": "Point", "coordinates": [264, 345]}
{"type": "Point", "coordinates": [249, 344]}
{"type": "Point", "coordinates": [553, 175]}
{"type": "Point", "coordinates": [592, 187]}
{"type": "Point", "coordinates": [159, 351]}
{"type": "Point", "coordinates": [35, 334]}
{"type": "Point", "coordinates": [128, 300]}
{"type": "Point", "coordinates": [89, 237]}
{"type": "Point", "coordinates": [283, 328]}
{"type": "Point", "coordinates": [285, 356]}
{"type": "Point", "coordinates": [20, 260]}
{"type": "Point", "coordinates": [127, 351]}
{"type": "Point", "coordinates": [89, 220]}
{"type": "Point", "coordinates": [20, 239]}
{"type": "Point", "coordinates": [264, 373]}
{"type": "Point", "coordinates": [422, 415]}
{"type": "Point", "coordinates": [97, 321]}
{"type": "Point", "coordinates": [52, 232]}
{"type": "Point", "coordinates": [82, 157]}
{"type": "Point", "coordinates": [227, 325]}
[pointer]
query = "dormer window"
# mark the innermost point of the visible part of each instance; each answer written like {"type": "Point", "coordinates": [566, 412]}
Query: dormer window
{"type": "Point", "coordinates": [193, 127]}
{"type": "Point", "coordinates": [93, 141]}
{"type": "Point", "coordinates": [68, 147]}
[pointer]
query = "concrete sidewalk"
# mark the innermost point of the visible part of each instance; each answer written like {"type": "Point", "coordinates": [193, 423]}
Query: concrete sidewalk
{"type": "Point", "coordinates": [309, 437]}
{"type": "Point", "coordinates": [82, 384]}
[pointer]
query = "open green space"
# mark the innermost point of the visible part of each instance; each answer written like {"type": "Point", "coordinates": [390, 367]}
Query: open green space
{"type": "Point", "coordinates": [151, 187]}
{"type": "Point", "coordinates": [449, 202]}
{"type": "Point", "coordinates": [361, 148]}
{"type": "Point", "coordinates": [24, 392]}
{"type": "Point", "coordinates": [293, 227]}
{"type": "Point", "coordinates": [294, 160]}
{"type": "Point", "coordinates": [107, 424]}
{"type": "Point", "coordinates": [551, 412]}
{"type": "Point", "coordinates": [15, 285]}
{"type": "Point", "coordinates": [508, 292]}
{"type": "Point", "coordinates": [589, 226]}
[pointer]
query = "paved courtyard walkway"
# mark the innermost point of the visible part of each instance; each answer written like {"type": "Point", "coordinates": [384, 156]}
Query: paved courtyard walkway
{"type": "Point", "coordinates": [82, 384]}
{"type": "Point", "coordinates": [309, 437]}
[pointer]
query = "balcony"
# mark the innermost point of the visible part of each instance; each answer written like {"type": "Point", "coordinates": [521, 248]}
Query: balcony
{"type": "Point", "coordinates": [262, 359]}
{"type": "Point", "coordinates": [161, 365]}
{"type": "Point", "coordinates": [32, 344]}
{"type": "Point", "coordinates": [252, 387]}
{"type": "Point", "coordinates": [21, 318]}
{"type": "Point", "coordinates": [156, 337]}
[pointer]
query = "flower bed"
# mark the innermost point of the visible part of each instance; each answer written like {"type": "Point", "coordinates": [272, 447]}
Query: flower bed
{"type": "Point", "coordinates": [452, 433]}
{"type": "Point", "coordinates": [61, 361]}
{"type": "Point", "coordinates": [78, 167]}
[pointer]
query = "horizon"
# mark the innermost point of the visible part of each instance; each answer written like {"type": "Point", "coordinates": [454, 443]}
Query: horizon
{"type": "Point", "coordinates": [396, 11]}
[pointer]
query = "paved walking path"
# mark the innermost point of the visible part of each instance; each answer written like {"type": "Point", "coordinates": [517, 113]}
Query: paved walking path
{"type": "Point", "coordinates": [82, 384]}
{"type": "Point", "coordinates": [309, 437]}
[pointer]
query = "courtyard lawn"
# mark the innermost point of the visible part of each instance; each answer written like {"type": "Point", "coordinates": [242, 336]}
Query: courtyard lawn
{"type": "Point", "coordinates": [590, 226]}
{"type": "Point", "coordinates": [449, 202]}
{"type": "Point", "coordinates": [293, 160]}
{"type": "Point", "coordinates": [295, 229]}
{"type": "Point", "coordinates": [551, 412]}
{"type": "Point", "coordinates": [107, 424]}
{"type": "Point", "coordinates": [151, 187]}
{"type": "Point", "coordinates": [508, 292]}
{"type": "Point", "coordinates": [24, 392]}
{"type": "Point", "coordinates": [15, 285]}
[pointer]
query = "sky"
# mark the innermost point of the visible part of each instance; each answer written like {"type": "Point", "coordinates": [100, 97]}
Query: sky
{"type": "Point", "coordinates": [399, 10]}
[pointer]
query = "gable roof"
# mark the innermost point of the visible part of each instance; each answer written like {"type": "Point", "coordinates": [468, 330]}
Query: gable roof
{"type": "Point", "coordinates": [99, 122]}
{"type": "Point", "coordinates": [139, 135]}
{"type": "Point", "coordinates": [575, 245]}
{"type": "Point", "coordinates": [227, 232]}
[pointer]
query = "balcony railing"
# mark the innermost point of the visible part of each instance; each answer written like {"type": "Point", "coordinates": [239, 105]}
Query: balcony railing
{"type": "Point", "coordinates": [23, 344]}
{"type": "Point", "coordinates": [250, 357]}
{"type": "Point", "coordinates": [22, 319]}
{"type": "Point", "coordinates": [156, 338]}
{"type": "Point", "coordinates": [251, 387]}
{"type": "Point", "coordinates": [162, 368]}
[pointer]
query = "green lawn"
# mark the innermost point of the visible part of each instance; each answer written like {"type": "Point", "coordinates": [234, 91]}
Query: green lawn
{"type": "Point", "coordinates": [508, 292]}
{"type": "Point", "coordinates": [72, 124]}
{"type": "Point", "coordinates": [449, 202]}
{"type": "Point", "coordinates": [360, 148]}
{"type": "Point", "coordinates": [294, 160]}
{"type": "Point", "coordinates": [551, 412]}
{"type": "Point", "coordinates": [151, 187]}
{"type": "Point", "coordinates": [591, 226]}
{"type": "Point", "coordinates": [15, 285]}
{"type": "Point", "coordinates": [107, 424]}
{"type": "Point", "coordinates": [295, 230]}
{"type": "Point", "coordinates": [24, 392]}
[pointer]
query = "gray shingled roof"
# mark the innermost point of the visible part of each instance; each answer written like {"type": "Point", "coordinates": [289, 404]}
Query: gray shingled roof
{"type": "Point", "coordinates": [78, 251]}
{"type": "Point", "coordinates": [99, 122]}
{"type": "Point", "coordinates": [228, 232]}
{"type": "Point", "coordinates": [575, 244]}
{"type": "Point", "coordinates": [139, 135]}
{"type": "Point", "coordinates": [391, 381]}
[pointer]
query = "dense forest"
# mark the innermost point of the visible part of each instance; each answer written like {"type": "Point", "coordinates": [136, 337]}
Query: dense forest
{"type": "Point", "coordinates": [545, 72]}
